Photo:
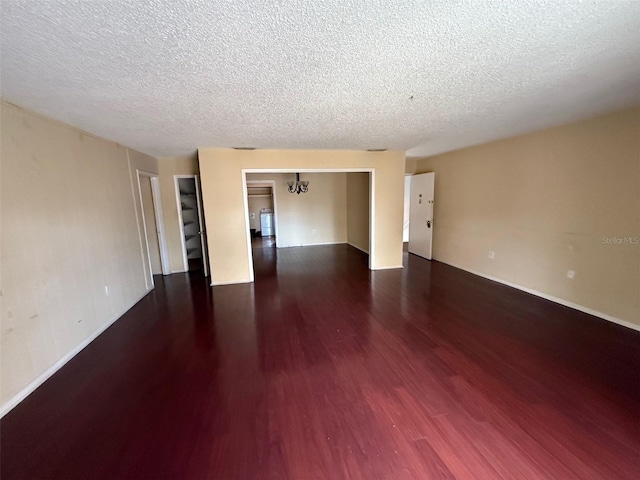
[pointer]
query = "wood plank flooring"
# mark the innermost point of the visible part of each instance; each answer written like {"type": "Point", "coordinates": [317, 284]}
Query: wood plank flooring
{"type": "Point", "coordinates": [323, 369]}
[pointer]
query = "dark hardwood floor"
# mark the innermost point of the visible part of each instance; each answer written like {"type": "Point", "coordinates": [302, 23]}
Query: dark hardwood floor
{"type": "Point", "coordinates": [263, 242]}
{"type": "Point", "coordinates": [323, 369]}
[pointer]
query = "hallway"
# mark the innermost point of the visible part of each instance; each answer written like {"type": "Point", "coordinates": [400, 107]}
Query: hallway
{"type": "Point", "coordinates": [325, 369]}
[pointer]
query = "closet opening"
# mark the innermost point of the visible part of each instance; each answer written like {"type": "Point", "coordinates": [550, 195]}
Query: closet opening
{"type": "Point", "coordinates": [194, 240]}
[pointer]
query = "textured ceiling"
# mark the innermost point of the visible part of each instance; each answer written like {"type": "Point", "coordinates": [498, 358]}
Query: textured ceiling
{"type": "Point", "coordinates": [169, 76]}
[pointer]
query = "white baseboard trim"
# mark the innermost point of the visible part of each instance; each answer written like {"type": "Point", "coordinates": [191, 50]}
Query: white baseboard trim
{"type": "Point", "coordinates": [391, 267]}
{"type": "Point", "coordinates": [25, 392]}
{"type": "Point", "coordinates": [230, 282]}
{"type": "Point", "coordinates": [357, 247]}
{"type": "Point", "coordinates": [551, 298]}
{"type": "Point", "coordinates": [312, 244]}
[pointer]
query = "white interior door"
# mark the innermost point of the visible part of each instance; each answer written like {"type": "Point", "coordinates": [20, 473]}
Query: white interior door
{"type": "Point", "coordinates": [153, 234]}
{"type": "Point", "coordinates": [162, 241]}
{"type": "Point", "coordinates": [150, 226]}
{"type": "Point", "coordinates": [407, 203]}
{"type": "Point", "coordinates": [421, 214]}
{"type": "Point", "coordinates": [202, 232]}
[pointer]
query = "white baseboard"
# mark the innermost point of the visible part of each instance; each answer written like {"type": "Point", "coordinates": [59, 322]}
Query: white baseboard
{"type": "Point", "coordinates": [391, 267]}
{"type": "Point", "coordinates": [561, 301]}
{"type": "Point", "coordinates": [16, 399]}
{"type": "Point", "coordinates": [230, 282]}
{"type": "Point", "coordinates": [358, 248]}
{"type": "Point", "coordinates": [312, 244]}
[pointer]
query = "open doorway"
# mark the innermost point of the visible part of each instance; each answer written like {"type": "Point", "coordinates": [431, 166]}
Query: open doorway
{"type": "Point", "coordinates": [193, 235]}
{"type": "Point", "coordinates": [319, 215]}
{"type": "Point", "coordinates": [262, 213]}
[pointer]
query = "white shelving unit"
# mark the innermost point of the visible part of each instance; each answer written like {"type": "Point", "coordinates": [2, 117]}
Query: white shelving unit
{"type": "Point", "coordinates": [190, 224]}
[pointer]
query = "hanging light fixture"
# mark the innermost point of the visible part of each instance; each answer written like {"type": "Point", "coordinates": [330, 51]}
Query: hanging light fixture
{"type": "Point", "coordinates": [298, 186]}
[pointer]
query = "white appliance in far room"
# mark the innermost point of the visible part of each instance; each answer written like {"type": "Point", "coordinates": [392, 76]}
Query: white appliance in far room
{"type": "Point", "coordinates": [266, 222]}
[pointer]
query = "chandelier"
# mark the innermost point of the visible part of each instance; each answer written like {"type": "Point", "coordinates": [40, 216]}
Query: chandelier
{"type": "Point", "coordinates": [298, 186]}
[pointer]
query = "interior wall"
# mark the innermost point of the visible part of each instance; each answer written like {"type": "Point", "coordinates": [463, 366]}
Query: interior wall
{"type": "Point", "coordinates": [222, 188]}
{"type": "Point", "coordinates": [411, 165]}
{"type": "Point", "coordinates": [150, 224]}
{"type": "Point", "coordinates": [314, 218]}
{"type": "Point", "coordinates": [168, 167]}
{"type": "Point", "coordinates": [358, 210]}
{"type": "Point", "coordinates": [566, 198]}
{"type": "Point", "coordinates": [71, 257]}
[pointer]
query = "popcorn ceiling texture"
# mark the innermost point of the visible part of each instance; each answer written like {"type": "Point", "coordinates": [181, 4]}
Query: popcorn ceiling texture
{"type": "Point", "coordinates": [168, 76]}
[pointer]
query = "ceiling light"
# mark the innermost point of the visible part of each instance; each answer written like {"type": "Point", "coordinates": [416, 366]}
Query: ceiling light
{"type": "Point", "coordinates": [298, 186]}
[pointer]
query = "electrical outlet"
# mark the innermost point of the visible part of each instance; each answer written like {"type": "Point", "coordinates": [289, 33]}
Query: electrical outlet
{"type": "Point", "coordinates": [571, 274]}
{"type": "Point", "coordinates": [492, 254]}
{"type": "Point", "coordinates": [313, 231]}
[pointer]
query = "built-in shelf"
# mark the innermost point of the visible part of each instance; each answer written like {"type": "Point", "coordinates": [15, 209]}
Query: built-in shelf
{"type": "Point", "coordinates": [190, 224]}
{"type": "Point", "coordinates": [254, 195]}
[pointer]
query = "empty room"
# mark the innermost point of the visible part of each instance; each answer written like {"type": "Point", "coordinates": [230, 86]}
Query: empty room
{"type": "Point", "coordinates": [319, 240]}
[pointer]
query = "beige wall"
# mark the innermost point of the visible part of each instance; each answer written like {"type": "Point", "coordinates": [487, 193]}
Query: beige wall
{"type": "Point", "coordinates": [222, 185]}
{"type": "Point", "coordinates": [545, 203]}
{"type": "Point", "coordinates": [358, 210]}
{"type": "Point", "coordinates": [168, 167]}
{"type": "Point", "coordinates": [69, 228]}
{"type": "Point", "coordinates": [411, 165]}
{"type": "Point", "coordinates": [323, 209]}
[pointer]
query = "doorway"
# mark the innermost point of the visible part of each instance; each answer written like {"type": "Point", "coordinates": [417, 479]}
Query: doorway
{"type": "Point", "coordinates": [191, 221]}
{"type": "Point", "coordinates": [262, 213]}
{"type": "Point", "coordinates": [280, 239]}
{"type": "Point", "coordinates": [152, 227]}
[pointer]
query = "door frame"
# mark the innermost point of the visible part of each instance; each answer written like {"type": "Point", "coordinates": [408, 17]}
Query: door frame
{"type": "Point", "coordinates": [157, 210]}
{"type": "Point", "coordinates": [372, 192]}
{"type": "Point", "coordinates": [204, 247]}
{"type": "Point", "coordinates": [201, 224]}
